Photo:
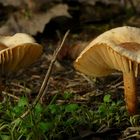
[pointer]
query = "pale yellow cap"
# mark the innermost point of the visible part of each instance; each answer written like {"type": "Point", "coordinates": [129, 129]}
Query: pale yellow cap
{"type": "Point", "coordinates": [18, 51]}
{"type": "Point", "coordinates": [116, 49]}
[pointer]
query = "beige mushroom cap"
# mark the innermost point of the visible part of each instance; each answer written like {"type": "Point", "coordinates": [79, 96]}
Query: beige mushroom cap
{"type": "Point", "coordinates": [17, 39]}
{"type": "Point", "coordinates": [18, 51]}
{"type": "Point", "coordinates": [116, 49]}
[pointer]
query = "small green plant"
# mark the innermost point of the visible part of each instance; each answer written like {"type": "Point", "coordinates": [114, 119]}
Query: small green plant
{"type": "Point", "coordinates": [67, 95]}
{"type": "Point", "coordinates": [57, 121]}
{"type": "Point", "coordinates": [27, 13]}
{"type": "Point", "coordinates": [110, 112]}
{"type": "Point", "coordinates": [134, 120]}
{"type": "Point", "coordinates": [44, 122]}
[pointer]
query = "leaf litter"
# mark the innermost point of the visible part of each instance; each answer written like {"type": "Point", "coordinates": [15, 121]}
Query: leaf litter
{"type": "Point", "coordinates": [64, 78]}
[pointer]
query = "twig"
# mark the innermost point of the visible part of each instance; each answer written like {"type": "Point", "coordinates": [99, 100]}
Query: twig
{"type": "Point", "coordinates": [22, 88]}
{"type": "Point", "coordinates": [10, 95]}
{"type": "Point", "coordinates": [45, 83]}
{"type": "Point", "coordinates": [86, 78]}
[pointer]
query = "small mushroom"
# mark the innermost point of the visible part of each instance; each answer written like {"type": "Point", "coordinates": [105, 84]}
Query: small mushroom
{"type": "Point", "coordinates": [17, 51]}
{"type": "Point", "coordinates": [115, 50]}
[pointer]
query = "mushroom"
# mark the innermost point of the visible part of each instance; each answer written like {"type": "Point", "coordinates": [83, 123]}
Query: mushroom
{"type": "Point", "coordinates": [115, 50]}
{"type": "Point", "coordinates": [17, 51]}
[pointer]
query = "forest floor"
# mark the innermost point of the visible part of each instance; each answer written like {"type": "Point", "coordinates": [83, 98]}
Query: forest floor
{"type": "Point", "coordinates": [100, 95]}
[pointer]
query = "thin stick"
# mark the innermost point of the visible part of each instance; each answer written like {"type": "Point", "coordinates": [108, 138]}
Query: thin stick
{"type": "Point", "coordinates": [45, 83]}
{"type": "Point", "coordinates": [10, 95]}
{"type": "Point", "coordinates": [86, 78]}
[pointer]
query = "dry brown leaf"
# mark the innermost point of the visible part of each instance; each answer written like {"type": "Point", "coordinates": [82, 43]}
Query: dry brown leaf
{"type": "Point", "coordinates": [57, 66]}
{"type": "Point", "coordinates": [13, 2]}
{"type": "Point", "coordinates": [77, 49]}
{"type": "Point", "coordinates": [10, 27]}
{"type": "Point", "coordinates": [18, 22]}
{"type": "Point", "coordinates": [73, 51]}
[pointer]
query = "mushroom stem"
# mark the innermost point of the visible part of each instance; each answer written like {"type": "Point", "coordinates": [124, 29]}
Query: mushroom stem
{"type": "Point", "coordinates": [130, 92]}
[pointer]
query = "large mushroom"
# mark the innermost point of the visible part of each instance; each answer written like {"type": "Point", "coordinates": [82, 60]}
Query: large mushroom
{"type": "Point", "coordinates": [116, 49]}
{"type": "Point", "coordinates": [17, 51]}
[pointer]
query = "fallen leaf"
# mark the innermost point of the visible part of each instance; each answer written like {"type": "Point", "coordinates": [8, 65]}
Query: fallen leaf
{"type": "Point", "coordinates": [19, 22]}
{"type": "Point", "coordinates": [73, 51]}
{"type": "Point", "coordinates": [13, 2]}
